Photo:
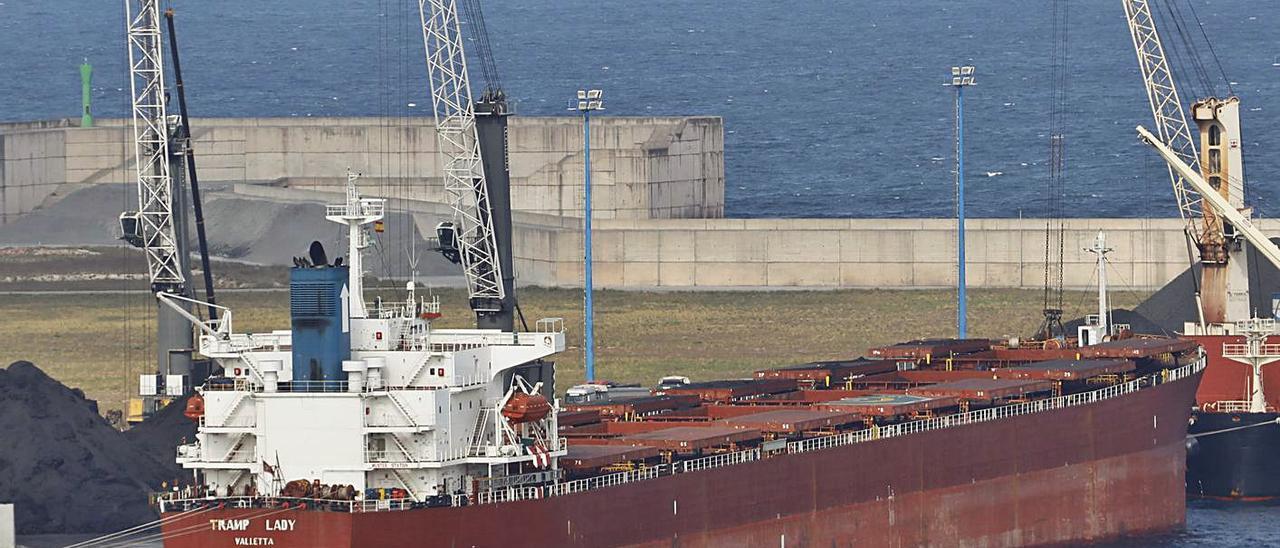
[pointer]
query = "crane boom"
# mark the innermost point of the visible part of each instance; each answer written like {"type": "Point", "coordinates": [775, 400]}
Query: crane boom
{"type": "Point", "coordinates": [154, 229]}
{"type": "Point", "coordinates": [1214, 200]}
{"type": "Point", "coordinates": [1170, 118]}
{"type": "Point", "coordinates": [464, 174]}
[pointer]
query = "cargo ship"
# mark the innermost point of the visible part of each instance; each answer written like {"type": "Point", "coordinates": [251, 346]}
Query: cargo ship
{"type": "Point", "coordinates": [365, 425]}
{"type": "Point", "coordinates": [1235, 430]}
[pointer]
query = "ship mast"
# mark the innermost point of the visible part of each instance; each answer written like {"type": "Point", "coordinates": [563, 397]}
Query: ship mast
{"type": "Point", "coordinates": [355, 213]}
{"type": "Point", "coordinates": [1100, 249]}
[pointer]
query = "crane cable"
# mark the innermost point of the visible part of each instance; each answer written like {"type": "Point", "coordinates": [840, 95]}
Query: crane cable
{"type": "Point", "coordinates": [1055, 230]}
{"type": "Point", "coordinates": [488, 67]}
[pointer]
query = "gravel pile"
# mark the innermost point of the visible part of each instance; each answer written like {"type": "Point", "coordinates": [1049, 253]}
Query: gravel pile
{"type": "Point", "coordinates": [65, 469]}
{"type": "Point", "coordinates": [1175, 303]}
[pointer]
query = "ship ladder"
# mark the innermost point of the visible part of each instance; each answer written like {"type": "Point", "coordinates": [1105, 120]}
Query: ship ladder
{"type": "Point", "coordinates": [407, 489]}
{"type": "Point", "coordinates": [403, 410]}
{"type": "Point", "coordinates": [234, 407]}
{"type": "Point", "coordinates": [410, 457]}
{"type": "Point", "coordinates": [234, 447]}
{"type": "Point", "coordinates": [477, 439]}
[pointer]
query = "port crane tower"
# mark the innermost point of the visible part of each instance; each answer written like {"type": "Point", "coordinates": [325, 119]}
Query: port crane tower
{"type": "Point", "coordinates": [1222, 293]}
{"type": "Point", "coordinates": [1208, 182]}
{"type": "Point", "coordinates": [162, 148]}
{"type": "Point", "coordinates": [472, 137]}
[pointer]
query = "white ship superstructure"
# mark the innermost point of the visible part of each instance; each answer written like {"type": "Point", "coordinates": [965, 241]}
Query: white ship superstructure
{"type": "Point", "coordinates": [412, 407]}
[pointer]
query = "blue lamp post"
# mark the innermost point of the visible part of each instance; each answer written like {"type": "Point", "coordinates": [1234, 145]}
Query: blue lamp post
{"type": "Point", "coordinates": [588, 100]}
{"type": "Point", "coordinates": [961, 77]}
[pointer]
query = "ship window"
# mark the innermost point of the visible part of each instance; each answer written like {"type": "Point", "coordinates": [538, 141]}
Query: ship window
{"type": "Point", "coordinates": [1215, 135]}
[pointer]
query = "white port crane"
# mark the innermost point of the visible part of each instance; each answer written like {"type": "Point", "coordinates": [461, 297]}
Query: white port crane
{"type": "Point", "coordinates": [1222, 294]}
{"type": "Point", "coordinates": [153, 225]}
{"type": "Point", "coordinates": [162, 148]}
{"type": "Point", "coordinates": [470, 239]}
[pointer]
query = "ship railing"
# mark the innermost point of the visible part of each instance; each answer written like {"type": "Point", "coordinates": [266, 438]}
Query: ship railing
{"type": "Point", "coordinates": [1229, 406]}
{"type": "Point", "coordinates": [380, 505]}
{"type": "Point", "coordinates": [996, 413]}
{"type": "Point", "coordinates": [366, 207]}
{"type": "Point", "coordinates": [716, 461]}
{"type": "Point", "coordinates": [248, 421]}
{"type": "Point", "coordinates": [454, 346]}
{"type": "Point", "coordinates": [170, 503]}
{"type": "Point", "coordinates": [587, 484]}
{"type": "Point", "coordinates": [389, 456]}
{"type": "Point", "coordinates": [1241, 350]}
{"type": "Point", "coordinates": [549, 325]}
{"type": "Point", "coordinates": [465, 339]}
{"type": "Point", "coordinates": [510, 494]}
{"type": "Point", "coordinates": [235, 343]}
{"type": "Point", "coordinates": [397, 456]}
{"type": "Point", "coordinates": [467, 381]}
{"type": "Point", "coordinates": [189, 451]}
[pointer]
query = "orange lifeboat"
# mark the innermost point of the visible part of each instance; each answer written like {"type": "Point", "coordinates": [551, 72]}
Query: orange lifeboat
{"type": "Point", "coordinates": [195, 407]}
{"type": "Point", "coordinates": [526, 407]}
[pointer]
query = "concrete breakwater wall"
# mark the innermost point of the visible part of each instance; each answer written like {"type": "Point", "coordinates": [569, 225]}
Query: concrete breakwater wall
{"type": "Point", "coordinates": [642, 167]}
{"type": "Point", "coordinates": [818, 253]}
{"type": "Point", "coordinates": [659, 202]}
{"type": "Point", "coordinates": [852, 253]}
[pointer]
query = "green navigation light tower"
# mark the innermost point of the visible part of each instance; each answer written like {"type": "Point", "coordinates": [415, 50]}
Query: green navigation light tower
{"type": "Point", "coordinates": [86, 78]}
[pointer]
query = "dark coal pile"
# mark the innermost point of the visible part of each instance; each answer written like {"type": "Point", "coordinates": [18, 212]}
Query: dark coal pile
{"type": "Point", "coordinates": [160, 435]}
{"type": "Point", "coordinates": [65, 469]}
{"type": "Point", "coordinates": [1175, 303]}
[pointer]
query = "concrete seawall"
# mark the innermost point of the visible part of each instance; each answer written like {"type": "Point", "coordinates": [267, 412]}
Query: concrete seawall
{"type": "Point", "coordinates": [642, 167]}
{"type": "Point", "coordinates": [659, 203]}
{"type": "Point", "coordinates": [854, 253]}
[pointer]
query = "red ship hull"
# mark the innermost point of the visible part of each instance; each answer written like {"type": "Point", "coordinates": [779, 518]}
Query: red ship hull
{"type": "Point", "coordinates": [1226, 379]}
{"type": "Point", "coordinates": [1108, 469]}
{"type": "Point", "coordinates": [1226, 461]}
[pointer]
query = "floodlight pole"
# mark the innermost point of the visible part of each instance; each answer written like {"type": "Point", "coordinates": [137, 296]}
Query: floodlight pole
{"type": "Point", "coordinates": [587, 102]}
{"type": "Point", "coordinates": [961, 77]}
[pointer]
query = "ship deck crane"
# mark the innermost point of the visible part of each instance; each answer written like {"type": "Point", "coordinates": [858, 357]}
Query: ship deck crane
{"type": "Point", "coordinates": [159, 226]}
{"type": "Point", "coordinates": [1222, 291]}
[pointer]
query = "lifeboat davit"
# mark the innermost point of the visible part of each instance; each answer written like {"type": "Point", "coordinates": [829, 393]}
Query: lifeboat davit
{"type": "Point", "coordinates": [526, 407]}
{"type": "Point", "coordinates": [195, 407]}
